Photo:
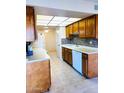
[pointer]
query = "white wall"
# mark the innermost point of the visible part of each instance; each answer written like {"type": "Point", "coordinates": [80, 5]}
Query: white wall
{"type": "Point", "coordinates": [47, 40]}
{"type": "Point", "coordinates": [50, 40]}
{"type": "Point", "coordinates": [40, 42]}
{"type": "Point", "coordinates": [85, 6]}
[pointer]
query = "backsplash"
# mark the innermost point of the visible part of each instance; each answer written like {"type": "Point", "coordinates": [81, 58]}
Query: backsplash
{"type": "Point", "coordinates": [79, 41]}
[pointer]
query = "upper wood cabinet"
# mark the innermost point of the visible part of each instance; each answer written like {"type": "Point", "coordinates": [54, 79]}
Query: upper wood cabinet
{"type": "Point", "coordinates": [69, 31]}
{"type": "Point", "coordinates": [97, 26]}
{"type": "Point", "coordinates": [30, 24]}
{"type": "Point", "coordinates": [87, 28]}
{"type": "Point", "coordinates": [75, 27]}
{"type": "Point", "coordinates": [90, 27]}
{"type": "Point", "coordinates": [82, 28]}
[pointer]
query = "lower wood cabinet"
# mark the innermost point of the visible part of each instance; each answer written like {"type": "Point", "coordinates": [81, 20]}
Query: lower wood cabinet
{"type": "Point", "coordinates": [67, 55]}
{"type": "Point", "coordinates": [38, 77]}
{"type": "Point", "coordinates": [90, 65]}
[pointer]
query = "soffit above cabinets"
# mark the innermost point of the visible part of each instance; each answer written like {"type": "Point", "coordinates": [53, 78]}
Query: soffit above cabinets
{"type": "Point", "coordinates": [54, 20]}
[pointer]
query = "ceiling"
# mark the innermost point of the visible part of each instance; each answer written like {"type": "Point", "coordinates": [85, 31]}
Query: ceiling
{"type": "Point", "coordinates": [44, 20]}
{"type": "Point", "coordinates": [82, 6]}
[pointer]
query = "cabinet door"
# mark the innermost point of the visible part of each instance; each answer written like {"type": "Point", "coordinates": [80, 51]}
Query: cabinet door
{"type": "Point", "coordinates": [90, 27]}
{"type": "Point", "coordinates": [75, 27]}
{"type": "Point", "coordinates": [97, 26]}
{"type": "Point", "coordinates": [63, 53]}
{"type": "Point", "coordinates": [30, 25]}
{"type": "Point", "coordinates": [70, 29]}
{"type": "Point", "coordinates": [85, 64]}
{"type": "Point", "coordinates": [66, 54]}
{"type": "Point", "coordinates": [70, 56]}
{"type": "Point", "coordinates": [82, 28]}
{"type": "Point", "coordinates": [67, 31]}
{"type": "Point", "coordinates": [38, 78]}
{"type": "Point", "coordinates": [92, 65]}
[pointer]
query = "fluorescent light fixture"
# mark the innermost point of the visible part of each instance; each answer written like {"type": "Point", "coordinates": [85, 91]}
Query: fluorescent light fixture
{"type": "Point", "coordinates": [54, 22]}
{"type": "Point", "coordinates": [42, 21]}
{"type": "Point", "coordinates": [60, 19]}
{"type": "Point", "coordinates": [73, 19]}
{"type": "Point", "coordinates": [65, 23]}
{"type": "Point", "coordinates": [42, 24]}
{"type": "Point", "coordinates": [43, 17]}
{"type": "Point", "coordinates": [46, 31]}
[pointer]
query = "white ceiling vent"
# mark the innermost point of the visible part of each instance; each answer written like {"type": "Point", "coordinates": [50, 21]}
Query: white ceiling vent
{"type": "Point", "coordinates": [95, 7]}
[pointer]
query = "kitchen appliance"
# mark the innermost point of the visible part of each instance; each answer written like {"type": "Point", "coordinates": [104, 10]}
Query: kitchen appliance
{"type": "Point", "coordinates": [29, 51]}
{"type": "Point", "coordinates": [77, 61]}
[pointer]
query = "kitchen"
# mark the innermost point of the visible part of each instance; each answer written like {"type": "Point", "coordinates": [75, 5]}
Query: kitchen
{"type": "Point", "coordinates": [63, 49]}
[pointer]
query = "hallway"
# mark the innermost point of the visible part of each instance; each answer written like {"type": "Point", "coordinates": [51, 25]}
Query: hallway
{"type": "Point", "coordinates": [64, 79]}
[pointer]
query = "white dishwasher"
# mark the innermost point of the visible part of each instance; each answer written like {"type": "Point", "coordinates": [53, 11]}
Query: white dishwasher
{"type": "Point", "coordinates": [77, 61]}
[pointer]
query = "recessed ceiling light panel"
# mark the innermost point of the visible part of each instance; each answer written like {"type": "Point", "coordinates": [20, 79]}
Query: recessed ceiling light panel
{"type": "Point", "coordinates": [55, 22]}
{"type": "Point", "coordinates": [52, 24]}
{"type": "Point", "coordinates": [42, 21]}
{"type": "Point", "coordinates": [42, 24]}
{"type": "Point", "coordinates": [73, 19]}
{"type": "Point", "coordinates": [43, 17]}
{"type": "Point", "coordinates": [60, 19]}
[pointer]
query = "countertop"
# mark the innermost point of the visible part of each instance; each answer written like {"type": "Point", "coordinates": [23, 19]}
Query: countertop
{"type": "Point", "coordinates": [81, 48]}
{"type": "Point", "coordinates": [39, 54]}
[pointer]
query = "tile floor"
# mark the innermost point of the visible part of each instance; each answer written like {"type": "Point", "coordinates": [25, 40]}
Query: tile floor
{"type": "Point", "coordinates": [65, 79]}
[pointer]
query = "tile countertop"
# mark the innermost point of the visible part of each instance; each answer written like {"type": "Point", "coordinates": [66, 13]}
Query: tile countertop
{"type": "Point", "coordinates": [81, 48]}
{"type": "Point", "coordinates": [39, 54]}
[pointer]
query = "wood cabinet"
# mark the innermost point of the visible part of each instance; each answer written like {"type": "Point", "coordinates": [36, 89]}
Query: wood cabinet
{"type": "Point", "coordinates": [75, 27]}
{"type": "Point", "coordinates": [82, 28]}
{"type": "Point", "coordinates": [90, 65]}
{"type": "Point", "coordinates": [38, 77]}
{"type": "Point", "coordinates": [69, 31]}
{"type": "Point", "coordinates": [87, 28]}
{"type": "Point", "coordinates": [67, 55]}
{"type": "Point", "coordinates": [30, 24]}
{"type": "Point", "coordinates": [90, 27]}
{"type": "Point", "coordinates": [85, 64]}
{"type": "Point", "coordinates": [97, 26]}
{"type": "Point", "coordinates": [63, 53]}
